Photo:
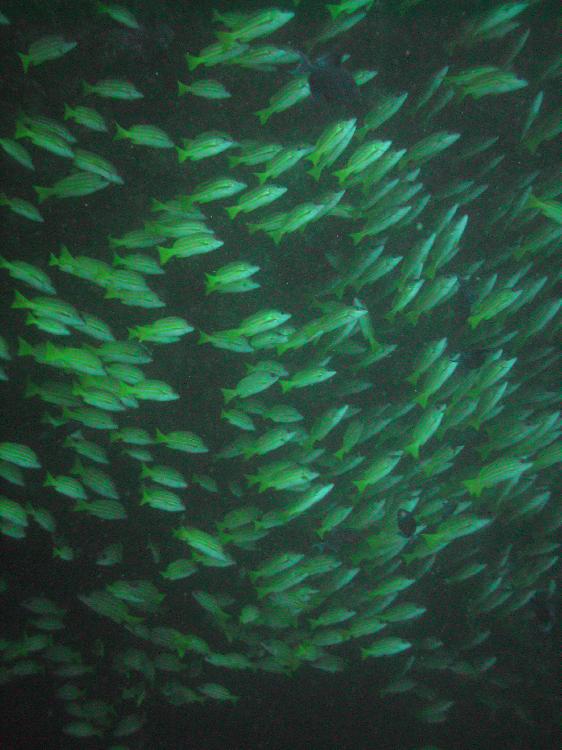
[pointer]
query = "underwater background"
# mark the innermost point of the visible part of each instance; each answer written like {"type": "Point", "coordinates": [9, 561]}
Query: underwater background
{"type": "Point", "coordinates": [284, 475]}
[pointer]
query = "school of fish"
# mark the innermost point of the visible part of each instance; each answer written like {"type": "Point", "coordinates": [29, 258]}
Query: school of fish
{"type": "Point", "coordinates": [343, 449]}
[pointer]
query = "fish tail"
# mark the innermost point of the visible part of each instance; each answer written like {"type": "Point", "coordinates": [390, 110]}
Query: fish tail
{"type": "Point", "coordinates": [226, 38]}
{"type": "Point", "coordinates": [232, 211]}
{"type": "Point", "coordinates": [20, 301]}
{"type": "Point", "coordinates": [334, 10]}
{"type": "Point", "coordinates": [341, 174]}
{"type": "Point", "coordinates": [182, 154]}
{"type": "Point", "coordinates": [413, 449]}
{"type": "Point", "coordinates": [315, 172]}
{"type": "Point", "coordinates": [42, 193]}
{"type": "Point", "coordinates": [24, 349]}
{"type": "Point", "coordinates": [210, 286]}
{"type": "Point", "coordinates": [193, 61]}
{"type": "Point", "coordinates": [21, 130]}
{"type": "Point", "coordinates": [263, 115]}
{"type": "Point", "coordinates": [121, 132]}
{"type": "Point", "coordinates": [165, 254]}
{"type": "Point", "coordinates": [473, 487]}
{"type": "Point", "coordinates": [285, 385]}
{"type": "Point", "coordinates": [25, 61]}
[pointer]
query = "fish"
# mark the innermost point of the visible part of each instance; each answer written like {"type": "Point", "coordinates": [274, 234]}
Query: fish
{"type": "Point", "coordinates": [386, 647]}
{"type": "Point", "coordinates": [47, 48]}
{"type": "Point", "coordinates": [362, 463]}
{"type": "Point", "coordinates": [328, 80]}
{"type": "Point", "coordinates": [406, 522]}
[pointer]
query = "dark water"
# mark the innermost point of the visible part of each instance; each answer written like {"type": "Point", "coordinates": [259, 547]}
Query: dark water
{"type": "Point", "coordinates": [514, 705]}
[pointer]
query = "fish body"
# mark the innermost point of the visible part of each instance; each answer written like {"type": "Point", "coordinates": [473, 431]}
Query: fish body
{"type": "Point", "coordinates": [328, 79]}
